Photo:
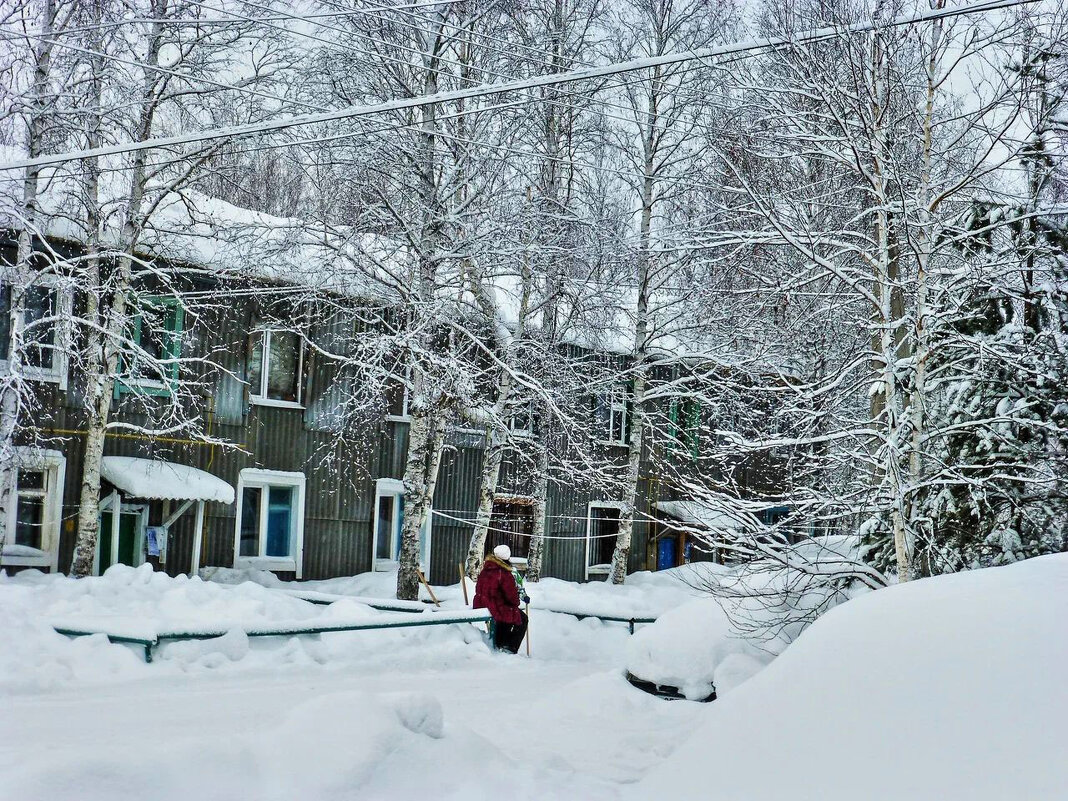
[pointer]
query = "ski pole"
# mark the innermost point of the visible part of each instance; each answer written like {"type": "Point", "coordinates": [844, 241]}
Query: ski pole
{"type": "Point", "coordinates": [526, 608]}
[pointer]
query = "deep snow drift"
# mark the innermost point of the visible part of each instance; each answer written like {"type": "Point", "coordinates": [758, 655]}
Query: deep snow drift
{"type": "Point", "coordinates": [414, 713]}
{"type": "Point", "coordinates": [946, 688]}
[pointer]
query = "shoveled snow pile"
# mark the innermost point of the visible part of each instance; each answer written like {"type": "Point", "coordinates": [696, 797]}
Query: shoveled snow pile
{"type": "Point", "coordinates": [945, 688]}
{"type": "Point", "coordinates": [645, 594]}
{"type": "Point", "coordinates": [140, 602]}
{"type": "Point", "coordinates": [413, 713]}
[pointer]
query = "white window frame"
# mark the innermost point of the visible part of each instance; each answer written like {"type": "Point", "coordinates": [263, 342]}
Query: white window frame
{"type": "Point", "coordinates": [54, 465]}
{"type": "Point", "coordinates": [616, 400]}
{"type": "Point", "coordinates": [385, 487]}
{"type": "Point", "coordinates": [525, 411]}
{"type": "Point", "coordinates": [57, 373]}
{"type": "Point", "coordinates": [404, 416]}
{"type": "Point", "coordinates": [264, 479]}
{"type": "Point", "coordinates": [258, 396]}
{"type": "Point", "coordinates": [591, 570]}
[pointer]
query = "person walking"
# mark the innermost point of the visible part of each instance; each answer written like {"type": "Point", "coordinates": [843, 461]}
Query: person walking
{"type": "Point", "coordinates": [497, 591]}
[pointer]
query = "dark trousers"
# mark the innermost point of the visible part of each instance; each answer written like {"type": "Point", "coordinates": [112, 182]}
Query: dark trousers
{"type": "Point", "coordinates": [509, 636]}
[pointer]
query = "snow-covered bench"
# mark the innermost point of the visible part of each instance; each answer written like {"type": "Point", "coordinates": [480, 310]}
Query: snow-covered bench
{"type": "Point", "coordinates": [149, 637]}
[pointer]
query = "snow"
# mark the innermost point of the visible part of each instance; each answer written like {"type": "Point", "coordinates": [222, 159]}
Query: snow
{"type": "Point", "coordinates": [942, 688]}
{"type": "Point", "coordinates": [14, 550]}
{"type": "Point", "coordinates": [193, 228]}
{"type": "Point", "coordinates": [152, 478]}
{"type": "Point", "coordinates": [955, 678]}
{"type": "Point", "coordinates": [722, 516]}
{"type": "Point", "coordinates": [693, 648]}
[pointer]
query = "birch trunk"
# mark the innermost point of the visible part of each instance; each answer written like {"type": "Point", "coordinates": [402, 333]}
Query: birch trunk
{"type": "Point", "coordinates": [104, 344]}
{"type": "Point", "coordinates": [491, 472]}
{"type": "Point", "coordinates": [537, 531]}
{"type": "Point", "coordinates": [888, 401]}
{"type": "Point", "coordinates": [426, 429]}
{"type": "Point", "coordinates": [621, 553]}
{"type": "Point", "coordinates": [426, 437]}
{"type": "Point", "coordinates": [496, 447]}
{"type": "Point", "coordinates": [13, 386]}
{"type": "Point", "coordinates": [921, 337]}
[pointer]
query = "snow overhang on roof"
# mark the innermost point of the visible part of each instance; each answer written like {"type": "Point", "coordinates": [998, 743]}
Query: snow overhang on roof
{"type": "Point", "coordinates": [717, 516]}
{"type": "Point", "coordinates": [154, 479]}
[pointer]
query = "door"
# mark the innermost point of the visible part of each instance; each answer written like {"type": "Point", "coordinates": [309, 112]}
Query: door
{"type": "Point", "coordinates": [389, 521]}
{"type": "Point", "coordinates": [666, 551]}
{"type": "Point", "coordinates": [511, 524]}
{"type": "Point", "coordinates": [129, 550]}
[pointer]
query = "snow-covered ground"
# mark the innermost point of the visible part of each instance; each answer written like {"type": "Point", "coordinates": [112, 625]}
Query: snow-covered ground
{"type": "Point", "coordinates": [946, 688]}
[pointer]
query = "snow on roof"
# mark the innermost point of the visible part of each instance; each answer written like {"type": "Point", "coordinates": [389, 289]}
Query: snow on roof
{"type": "Point", "coordinates": [152, 478]}
{"type": "Point", "coordinates": [719, 515]}
{"type": "Point", "coordinates": [209, 232]}
{"type": "Point", "coordinates": [203, 231]}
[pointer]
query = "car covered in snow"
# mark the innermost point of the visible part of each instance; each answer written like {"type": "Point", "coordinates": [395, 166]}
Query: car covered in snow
{"type": "Point", "coordinates": [690, 652]}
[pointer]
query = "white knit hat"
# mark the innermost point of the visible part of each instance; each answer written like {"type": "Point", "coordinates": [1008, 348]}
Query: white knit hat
{"type": "Point", "coordinates": [503, 552]}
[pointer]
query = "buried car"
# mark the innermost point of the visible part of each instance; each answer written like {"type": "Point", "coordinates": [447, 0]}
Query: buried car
{"type": "Point", "coordinates": [690, 652]}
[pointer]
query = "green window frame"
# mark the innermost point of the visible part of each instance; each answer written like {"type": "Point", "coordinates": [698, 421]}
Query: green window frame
{"type": "Point", "coordinates": [170, 347]}
{"type": "Point", "coordinates": [685, 417]}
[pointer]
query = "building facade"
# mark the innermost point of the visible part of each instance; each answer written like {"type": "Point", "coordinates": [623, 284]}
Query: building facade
{"type": "Point", "coordinates": [278, 487]}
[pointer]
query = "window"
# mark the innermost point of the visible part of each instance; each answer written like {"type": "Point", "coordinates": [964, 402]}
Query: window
{"type": "Point", "coordinates": [34, 518]}
{"type": "Point", "coordinates": [685, 417]}
{"type": "Point", "coordinates": [512, 524]}
{"type": "Point", "coordinates": [44, 334]}
{"type": "Point", "coordinates": [270, 520]}
{"type": "Point", "coordinates": [397, 400]}
{"type": "Point", "coordinates": [602, 527]}
{"type": "Point", "coordinates": [389, 522]}
{"type": "Point", "coordinates": [152, 366]}
{"type": "Point", "coordinates": [275, 368]}
{"type": "Point", "coordinates": [612, 411]}
{"type": "Point", "coordinates": [521, 421]}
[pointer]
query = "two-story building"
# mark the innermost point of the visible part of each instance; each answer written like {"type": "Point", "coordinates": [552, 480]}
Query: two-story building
{"type": "Point", "coordinates": [276, 486]}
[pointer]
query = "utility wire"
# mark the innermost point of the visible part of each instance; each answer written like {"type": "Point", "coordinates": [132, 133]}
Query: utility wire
{"type": "Point", "coordinates": [622, 83]}
{"type": "Point", "coordinates": [553, 79]}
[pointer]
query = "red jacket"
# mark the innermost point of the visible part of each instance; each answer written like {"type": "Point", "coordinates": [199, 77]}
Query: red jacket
{"type": "Point", "coordinates": [496, 591]}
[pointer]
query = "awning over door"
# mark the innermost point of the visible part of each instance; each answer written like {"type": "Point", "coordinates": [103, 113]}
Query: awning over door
{"type": "Point", "coordinates": [715, 515]}
{"type": "Point", "coordinates": [154, 479]}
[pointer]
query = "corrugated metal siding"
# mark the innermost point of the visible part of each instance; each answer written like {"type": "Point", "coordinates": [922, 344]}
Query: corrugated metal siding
{"type": "Point", "coordinates": [340, 471]}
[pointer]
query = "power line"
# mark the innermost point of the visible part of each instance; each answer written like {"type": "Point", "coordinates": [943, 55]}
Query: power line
{"type": "Point", "coordinates": [588, 97]}
{"type": "Point", "coordinates": [552, 79]}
